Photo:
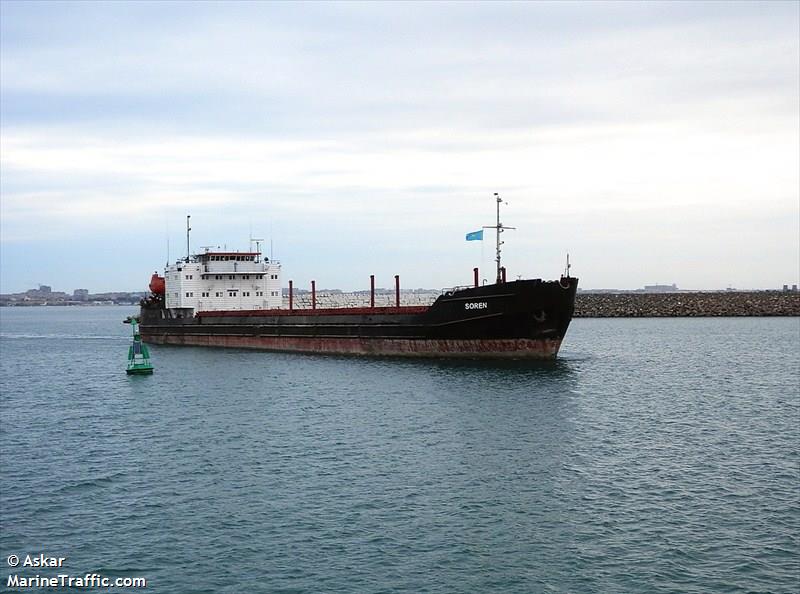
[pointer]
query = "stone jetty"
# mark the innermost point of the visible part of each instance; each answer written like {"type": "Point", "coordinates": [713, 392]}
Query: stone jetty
{"type": "Point", "coordinates": [661, 305]}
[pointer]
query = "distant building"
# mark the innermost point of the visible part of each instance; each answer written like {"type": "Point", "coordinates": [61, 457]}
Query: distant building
{"type": "Point", "coordinates": [673, 288]}
{"type": "Point", "coordinates": [44, 294]}
{"type": "Point", "coordinates": [41, 291]}
{"type": "Point", "coordinates": [80, 294]}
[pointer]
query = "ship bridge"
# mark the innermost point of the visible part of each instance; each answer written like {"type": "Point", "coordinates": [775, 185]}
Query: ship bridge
{"type": "Point", "coordinates": [225, 262]}
{"type": "Point", "coordinates": [224, 280]}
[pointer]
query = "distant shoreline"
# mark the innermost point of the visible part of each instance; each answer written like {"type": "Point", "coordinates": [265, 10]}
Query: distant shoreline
{"type": "Point", "coordinates": [70, 304]}
{"type": "Point", "coordinates": [634, 305]}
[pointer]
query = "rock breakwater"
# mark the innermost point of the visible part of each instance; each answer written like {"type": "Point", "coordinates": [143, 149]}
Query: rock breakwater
{"type": "Point", "coordinates": [659, 305]}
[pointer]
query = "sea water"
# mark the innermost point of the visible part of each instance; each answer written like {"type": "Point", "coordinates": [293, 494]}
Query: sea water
{"type": "Point", "coordinates": [656, 455]}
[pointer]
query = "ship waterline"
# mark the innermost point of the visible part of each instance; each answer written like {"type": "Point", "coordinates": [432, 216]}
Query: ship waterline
{"type": "Point", "coordinates": [514, 348]}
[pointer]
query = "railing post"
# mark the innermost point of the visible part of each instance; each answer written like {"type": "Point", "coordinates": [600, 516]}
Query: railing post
{"type": "Point", "coordinates": [475, 274]}
{"type": "Point", "coordinates": [372, 290]}
{"type": "Point", "coordinates": [313, 294]}
{"type": "Point", "coordinates": [397, 290]}
{"type": "Point", "coordinates": [291, 296]}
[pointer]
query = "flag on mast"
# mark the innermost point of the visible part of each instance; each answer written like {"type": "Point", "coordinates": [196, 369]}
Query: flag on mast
{"type": "Point", "coordinates": [475, 236]}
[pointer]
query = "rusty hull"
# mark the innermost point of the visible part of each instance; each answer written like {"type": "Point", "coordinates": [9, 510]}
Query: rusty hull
{"type": "Point", "coordinates": [515, 348]}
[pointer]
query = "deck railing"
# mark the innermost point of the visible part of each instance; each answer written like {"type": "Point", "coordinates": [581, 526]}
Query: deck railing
{"type": "Point", "coordinates": [338, 300]}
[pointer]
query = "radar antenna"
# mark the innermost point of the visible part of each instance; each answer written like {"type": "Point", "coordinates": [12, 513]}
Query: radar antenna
{"type": "Point", "coordinates": [258, 245]}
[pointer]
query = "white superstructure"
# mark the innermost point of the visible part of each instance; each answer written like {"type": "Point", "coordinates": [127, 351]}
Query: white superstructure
{"type": "Point", "coordinates": [223, 281]}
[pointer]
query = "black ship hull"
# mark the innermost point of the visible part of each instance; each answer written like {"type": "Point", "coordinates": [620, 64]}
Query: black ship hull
{"type": "Point", "coordinates": [519, 319]}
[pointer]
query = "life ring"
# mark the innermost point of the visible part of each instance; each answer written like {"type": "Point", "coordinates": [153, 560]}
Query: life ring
{"type": "Point", "coordinates": [562, 285]}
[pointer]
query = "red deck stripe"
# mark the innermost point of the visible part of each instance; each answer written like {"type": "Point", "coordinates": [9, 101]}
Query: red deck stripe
{"type": "Point", "coordinates": [342, 311]}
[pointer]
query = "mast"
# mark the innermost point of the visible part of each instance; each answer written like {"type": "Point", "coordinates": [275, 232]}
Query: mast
{"type": "Point", "coordinates": [499, 231]}
{"type": "Point", "coordinates": [167, 233]}
{"type": "Point", "coordinates": [188, 228]}
{"type": "Point", "coordinates": [499, 228]}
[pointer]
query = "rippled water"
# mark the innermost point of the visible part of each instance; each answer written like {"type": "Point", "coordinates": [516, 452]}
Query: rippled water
{"type": "Point", "coordinates": [657, 455]}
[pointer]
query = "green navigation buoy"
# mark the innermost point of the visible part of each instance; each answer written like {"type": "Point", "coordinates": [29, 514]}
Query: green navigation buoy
{"type": "Point", "coordinates": [138, 355]}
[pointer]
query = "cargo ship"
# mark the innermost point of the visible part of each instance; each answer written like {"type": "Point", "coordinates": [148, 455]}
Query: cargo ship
{"type": "Point", "coordinates": [235, 299]}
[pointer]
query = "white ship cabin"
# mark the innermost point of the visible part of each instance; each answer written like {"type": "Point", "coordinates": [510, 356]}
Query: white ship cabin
{"type": "Point", "coordinates": [222, 281]}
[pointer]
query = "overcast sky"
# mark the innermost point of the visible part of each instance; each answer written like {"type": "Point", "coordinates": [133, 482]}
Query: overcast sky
{"type": "Point", "coordinates": [654, 142]}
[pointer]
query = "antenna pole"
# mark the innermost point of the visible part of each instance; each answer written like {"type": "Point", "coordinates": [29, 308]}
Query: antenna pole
{"type": "Point", "coordinates": [188, 228]}
{"type": "Point", "coordinates": [499, 231]}
{"type": "Point", "coordinates": [500, 228]}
